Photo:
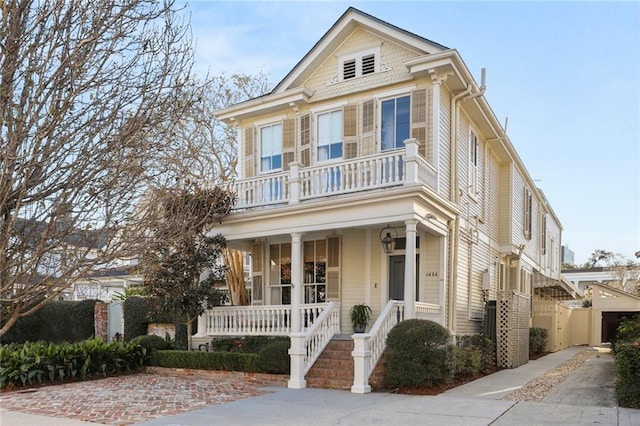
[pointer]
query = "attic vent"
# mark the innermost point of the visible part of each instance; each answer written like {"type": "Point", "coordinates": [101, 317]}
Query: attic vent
{"type": "Point", "coordinates": [349, 69]}
{"type": "Point", "coordinates": [360, 64]}
{"type": "Point", "coordinates": [368, 64]}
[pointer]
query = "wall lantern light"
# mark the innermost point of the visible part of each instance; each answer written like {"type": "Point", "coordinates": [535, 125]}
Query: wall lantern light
{"type": "Point", "coordinates": [389, 240]}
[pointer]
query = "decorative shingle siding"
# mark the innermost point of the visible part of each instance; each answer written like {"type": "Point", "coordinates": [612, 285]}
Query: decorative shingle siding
{"type": "Point", "coordinates": [324, 80]}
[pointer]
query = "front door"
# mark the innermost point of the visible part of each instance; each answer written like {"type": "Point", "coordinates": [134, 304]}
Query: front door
{"type": "Point", "coordinates": [396, 277]}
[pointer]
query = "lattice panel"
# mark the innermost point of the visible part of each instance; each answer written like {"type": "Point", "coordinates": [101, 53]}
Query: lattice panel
{"type": "Point", "coordinates": [512, 324]}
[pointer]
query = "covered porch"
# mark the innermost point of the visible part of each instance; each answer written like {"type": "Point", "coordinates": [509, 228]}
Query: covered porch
{"type": "Point", "coordinates": [304, 284]}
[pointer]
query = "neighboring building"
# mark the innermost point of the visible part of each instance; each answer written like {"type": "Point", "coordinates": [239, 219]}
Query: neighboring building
{"type": "Point", "coordinates": [376, 172]}
{"type": "Point", "coordinates": [620, 277]}
{"type": "Point", "coordinates": [104, 284]}
{"type": "Point", "coordinates": [568, 257]}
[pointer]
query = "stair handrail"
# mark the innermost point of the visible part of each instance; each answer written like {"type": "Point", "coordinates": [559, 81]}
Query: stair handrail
{"type": "Point", "coordinates": [391, 315]}
{"type": "Point", "coordinates": [318, 336]}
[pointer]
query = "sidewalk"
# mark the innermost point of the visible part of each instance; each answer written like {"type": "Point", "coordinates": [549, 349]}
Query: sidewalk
{"type": "Point", "coordinates": [583, 398]}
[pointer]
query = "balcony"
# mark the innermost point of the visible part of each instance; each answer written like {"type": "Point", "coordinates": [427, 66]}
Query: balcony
{"type": "Point", "coordinates": [388, 169]}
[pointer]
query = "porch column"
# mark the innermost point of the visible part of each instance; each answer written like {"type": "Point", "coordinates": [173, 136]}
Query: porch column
{"type": "Point", "coordinates": [296, 282]}
{"type": "Point", "coordinates": [297, 351]}
{"type": "Point", "coordinates": [410, 270]}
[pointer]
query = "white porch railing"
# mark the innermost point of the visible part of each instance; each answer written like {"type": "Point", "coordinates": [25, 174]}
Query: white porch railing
{"type": "Point", "coordinates": [273, 320]}
{"type": "Point", "coordinates": [428, 311]}
{"type": "Point", "coordinates": [369, 347]}
{"type": "Point", "coordinates": [387, 169]}
{"type": "Point", "coordinates": [307, 346]}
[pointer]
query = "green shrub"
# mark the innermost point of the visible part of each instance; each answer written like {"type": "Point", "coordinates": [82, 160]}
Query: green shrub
{"type": "Point", "coordinates": [418, 354]}
{"type": "Point", "coordinates": [248, 344]}
{"type": "Point", "coordinates": [152, 343]}
{"type": "Point", "coordinates": [226, 361]}
{"type": "Point", "coordinates": [627, 367]}
{"type": "Point", "coordinates": [274, 358]}
{"type": "Point", "coordinates": [467, 361]}
{"type": "Point", "coordinates": [538, 338]}
{"type": "Point", "coordinates": [40, 361]}
{"type": "Point", "coordinates": [627, 331]}
{"type": "Point", "coordinates": [136, 317]}
{"type": "Point", "coordinates": [58, 321]}
{"type": "Point", "coordinates": [483, 344]}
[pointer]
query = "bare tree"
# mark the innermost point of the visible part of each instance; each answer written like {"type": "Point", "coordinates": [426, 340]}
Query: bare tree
{"type": "Point", "coordinates": [203, 150]}
{"type": "Point", "coordinates": [625, 273]}
{"type": "Point", "coordinates": [84, 89]}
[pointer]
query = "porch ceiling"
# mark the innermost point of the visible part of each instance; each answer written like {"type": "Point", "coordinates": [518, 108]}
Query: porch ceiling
{"type": "Point", "coordinates": [353, 211]}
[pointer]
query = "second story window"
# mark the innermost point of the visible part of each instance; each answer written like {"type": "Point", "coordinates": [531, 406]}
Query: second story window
{"type": "Point", "coordinates": [271, 147]}
{"type": "Point", "coordinates": [396, 122]}
{"type": "Point", "coordinates": [330, 135]}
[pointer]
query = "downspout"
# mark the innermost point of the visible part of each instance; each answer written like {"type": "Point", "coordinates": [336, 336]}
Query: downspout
{"type": "Point", "coordinates": [455, 196]}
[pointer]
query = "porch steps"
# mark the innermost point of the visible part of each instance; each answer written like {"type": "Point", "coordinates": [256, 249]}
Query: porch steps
{"type": "Point", "coordinates": [334, 367]}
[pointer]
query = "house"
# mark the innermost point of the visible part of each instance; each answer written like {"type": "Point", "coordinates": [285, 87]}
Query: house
{"type": "Point", "coordinates": [376, 172]}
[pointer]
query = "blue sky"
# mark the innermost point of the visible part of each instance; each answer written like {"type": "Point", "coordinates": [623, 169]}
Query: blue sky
{"type": "Point", "coordinates": [566, 74]}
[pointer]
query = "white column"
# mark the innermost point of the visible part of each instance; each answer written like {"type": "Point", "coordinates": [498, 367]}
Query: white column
{"type": "Point", "coordinates": [361, 355]}
{"type": "Point", "coordinates": [410, 270]}
{"type": "Point", "coordinates": [202, 325]}
{"type": "Point", "coordinates": [296, 282]}
{"type": "Point", "coordinates": [297, 351]}
{"type": "Point", "coordinates": [442, 279]}
{"type": "Point", "coordinates": [411, 161]}
{"type": "Point", "coordinates": [294, 183]}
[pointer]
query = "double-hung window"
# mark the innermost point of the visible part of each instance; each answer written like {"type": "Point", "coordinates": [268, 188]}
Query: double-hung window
{"type": "Point", "coordinates": [396, 123]}
{"type": "Point", "coordinates": [271, 147]}
{"type": "Point", "coordinates": [330, 135]}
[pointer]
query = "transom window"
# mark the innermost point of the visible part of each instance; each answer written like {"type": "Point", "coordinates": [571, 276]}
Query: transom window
{"type": "Point", "coordinates": [271, 147]}
{"type": "Point", "coordinates": [395, 122]}
{"type": "Point", "coordinates": [330, 135]}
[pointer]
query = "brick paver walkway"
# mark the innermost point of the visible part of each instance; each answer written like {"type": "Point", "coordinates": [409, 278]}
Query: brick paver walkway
{"type": "Point", "coordinates": [127, 399]}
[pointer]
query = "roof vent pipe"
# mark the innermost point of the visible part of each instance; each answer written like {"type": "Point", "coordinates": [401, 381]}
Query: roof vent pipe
{"type": "Point", "coordinates": [483, 86]}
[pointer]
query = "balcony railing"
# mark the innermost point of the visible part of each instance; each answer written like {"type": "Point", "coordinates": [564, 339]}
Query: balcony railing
{"type": "Point", "coordinates": [387, 169]}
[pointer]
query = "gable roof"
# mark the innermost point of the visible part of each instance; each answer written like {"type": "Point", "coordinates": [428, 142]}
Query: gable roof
{"type": "Point", "coordinates": [338, 33]}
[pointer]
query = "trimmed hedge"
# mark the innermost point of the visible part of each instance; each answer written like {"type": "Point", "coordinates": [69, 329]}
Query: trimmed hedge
{"type": "Point", "coordinates": [245, 344]}
{"type": "Point", "coordinates": [31, 362]}
{"type": "Point", "coordinates": [58, 321]}
{"type": "Point", "coordinates": [418, 354]}
{"type": "Point", "coordinates": [538, 338]}
{"type": "Point", "coordinates": [226, 361]}
{"type": "Point", "coordinates": [136, 317]}
{"type": "Point", "coordinates": [274, 358]}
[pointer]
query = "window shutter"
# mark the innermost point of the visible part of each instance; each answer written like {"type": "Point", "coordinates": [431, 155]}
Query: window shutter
{"type": "Point", "coordinates": [419, 122]}
{"type": "Point", "coordinates": [305, 150]}
{"type": "Point", "coordinates": [367, 141]}
{"type": "Point", "coordinates": [350, 131]}
{"type": "Point", "coordinates": [333, 269]}
{"type": "Point", "coordinates": [527, 213]}
{"type": "Point", "coordinates": [257, 285]}
{"type": "Point", "coordinates": [249, 153]}
{"type": "Point", "coordinates": [288, 142]}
